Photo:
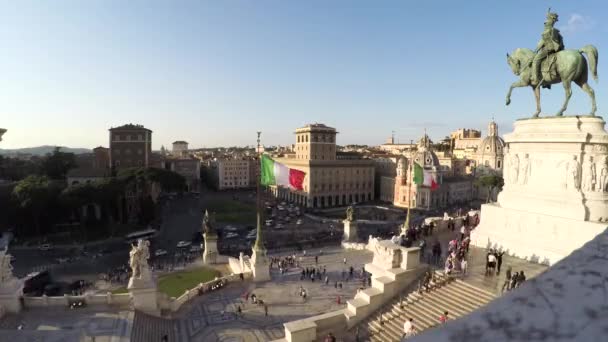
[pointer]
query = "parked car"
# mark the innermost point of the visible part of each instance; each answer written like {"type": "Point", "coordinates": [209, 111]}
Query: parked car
{"type": "Point", "coordinates": [160, 252]}
{"type": "Point", "coordinates": [45, 247]}
{"type": "Point", "coordinates": [183, 244]}
{"type": "Point", "coordinates": [231, 235]}
{"type": "Point", "coordinates": [299, 222]}
{"type": "Point", "coordinates": [194, 249]}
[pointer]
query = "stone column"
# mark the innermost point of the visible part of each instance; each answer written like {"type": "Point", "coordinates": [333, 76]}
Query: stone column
{"type": "Point", "coordinates": [350, 231]}
{"type": "Point", "coordinates": [210, 254]}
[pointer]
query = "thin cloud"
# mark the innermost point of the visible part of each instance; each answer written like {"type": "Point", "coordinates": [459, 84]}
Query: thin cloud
{"type": "Point", "coordinates": [578, 23]}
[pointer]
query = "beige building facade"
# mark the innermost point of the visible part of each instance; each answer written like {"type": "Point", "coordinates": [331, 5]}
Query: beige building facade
{"type": "Point", "coordinates": [330, 180]}
{"type": "Point", "coordinates": [224, 174]}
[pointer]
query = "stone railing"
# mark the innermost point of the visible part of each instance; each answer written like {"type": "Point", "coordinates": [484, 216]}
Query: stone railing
{"type": "Point", "coordinates": [174, 304]}
{"type": "Point", "coordinates": [67, 300]}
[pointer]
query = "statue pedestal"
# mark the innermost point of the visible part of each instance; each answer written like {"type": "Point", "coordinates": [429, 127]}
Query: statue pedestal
{"type": "Point", "coordinates": [260, 266]}
{"type": "Point", "coordinates": [10, 294]}
{"type": "Point", "coordinates": [144, 294]}
{"type": "Point", "coordinates": [210, 254]}
{"type": "Point", "coordinates": [350, 231]}
{"type": "Point", "coordinates": [545, 210]}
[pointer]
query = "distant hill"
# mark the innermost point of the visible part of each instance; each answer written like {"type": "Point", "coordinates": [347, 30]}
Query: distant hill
{"type": "Point", "coordinates": [43, 150]}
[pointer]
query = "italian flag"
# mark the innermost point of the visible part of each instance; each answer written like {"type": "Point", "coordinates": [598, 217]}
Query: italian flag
{"type": "Point", "coordinates": [273, 173]}
{"type": "Point", "coordinates": [424, 177]}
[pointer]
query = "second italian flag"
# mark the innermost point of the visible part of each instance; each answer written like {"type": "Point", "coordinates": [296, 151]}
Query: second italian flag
{"type": "Point", "coordinates": [424, 177]}
{"type": "Point", "coordinates": [273, 173]}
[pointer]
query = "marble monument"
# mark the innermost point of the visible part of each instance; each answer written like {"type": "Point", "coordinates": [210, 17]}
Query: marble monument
{"type": "Point", "coordinates": [555, 197]}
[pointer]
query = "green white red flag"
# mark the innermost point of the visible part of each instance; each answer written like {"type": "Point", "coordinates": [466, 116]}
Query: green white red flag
{"type": "Point", "coordinates": [273, 173]}
{"type": "Point", "coordinates": [425, 177]}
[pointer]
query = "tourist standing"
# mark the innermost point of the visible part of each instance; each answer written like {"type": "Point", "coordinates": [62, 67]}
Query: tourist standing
{"type": "Point", "coordinates": [464, 266]}
{"type": "Point", "coordinates": [408, 328]}
{"type": "Point", "coordinates": [520, 278]}
{"type": "Point", "coordinates": [443, 318]}
{"type": "Point", "coordinates": [499, 261]}
{"type": "Point", "coordinates": [507, 283]}
{"type": "Point", "coordinates": [514, 280]}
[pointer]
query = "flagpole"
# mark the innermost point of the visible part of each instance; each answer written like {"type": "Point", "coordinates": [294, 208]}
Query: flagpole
{"type": "Point", "coordinates": [259, 241]}
{"type": "Point", "coordinates": [406, 225]}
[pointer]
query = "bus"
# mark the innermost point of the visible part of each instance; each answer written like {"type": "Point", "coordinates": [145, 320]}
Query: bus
{"type": "Point", "coordinates": [142, 234]}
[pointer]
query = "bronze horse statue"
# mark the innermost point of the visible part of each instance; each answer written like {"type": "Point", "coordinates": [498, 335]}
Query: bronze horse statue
{"type": "Point", "coordinates": [567, 66]}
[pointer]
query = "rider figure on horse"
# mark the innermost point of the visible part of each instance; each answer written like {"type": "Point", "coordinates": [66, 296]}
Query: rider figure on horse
{"type": "Point", "coordinates": [551, 42]}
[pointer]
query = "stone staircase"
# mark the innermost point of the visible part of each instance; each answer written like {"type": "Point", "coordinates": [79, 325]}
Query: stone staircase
{"type": "Point", "coordinates": [148, 328]}
{"type": "Point", "coordinates": [448, 294]}
{"type": "Point", "coordinates": [247, 262]}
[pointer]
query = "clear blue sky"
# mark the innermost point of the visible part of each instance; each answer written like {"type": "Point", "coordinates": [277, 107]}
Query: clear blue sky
{"type": "Point", "coordinates": [214, 72]}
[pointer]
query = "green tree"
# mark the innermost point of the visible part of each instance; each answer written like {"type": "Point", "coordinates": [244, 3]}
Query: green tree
{"type": "Point", "coordinates": [491, 182]}
{"type": "Point", "coordinates": [57, 164]}
{"type": "Point", "coordinates": [35, 194]}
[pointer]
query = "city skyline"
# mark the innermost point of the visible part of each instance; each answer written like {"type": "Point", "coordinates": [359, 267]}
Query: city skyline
{"type": "Point", "coordinates": [214, 73]}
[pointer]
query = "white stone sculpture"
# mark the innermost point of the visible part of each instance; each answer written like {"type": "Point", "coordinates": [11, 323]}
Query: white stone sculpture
{"type": "Point", "coordinates": [573, 180]}
{"type": "Point", "coordinates": [524, 170]}
{"type": "Point", "coordinates": [602, 184]}
{"type": "Point", "coordinates": [588, 178]}
{"type": "Point", "coordinates": [514, 168]}
{"type": "Point", "coordinates": [138, 261]}
{"type": "Point", "coordinates": [6, 269]}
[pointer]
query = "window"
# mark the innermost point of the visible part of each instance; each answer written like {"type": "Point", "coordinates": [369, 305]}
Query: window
{"type": "Point", "coordinates": [140, 163]}
{"type": "Point", "coordinates": [128, 137]}
{"type": "Point", "coordinates": [128, 151]}
{"type": "Point", "coordinates": [487, 163]}
{"type": "Point", "coordinates": [498, 164]}
{"type": "Point", "coordinates": [139, 137]}
{"type": "Point", "coordinates": [117, 137]}
{"type": "Point", "coordinates": [140, 152]}
{"type": "Point", "coordinates": [117, 152]}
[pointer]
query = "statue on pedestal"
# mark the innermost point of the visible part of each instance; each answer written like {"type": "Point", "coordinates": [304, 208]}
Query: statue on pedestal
{"type": "Point", "coordinates": [350, 213]}
{"type": "Point", "coordinates": [602, 184]}
{"type": "Point", "coordinates": [573, 181]}
{"type": "Point", "coordinates": [138, 261]}
{"type": "Point", "coordinates": [208, 227]}
{"type": "Point", "coordinates": [588, 179]}
{"type": "Point", "coordinates": [6, 269]}
{"type": "Point", "coordinates": [551, 64]}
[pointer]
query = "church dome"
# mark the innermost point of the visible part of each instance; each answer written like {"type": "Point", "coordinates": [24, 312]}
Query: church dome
{"type": "Point", "coordinates": [425, 156]}
{"type": "Point", "coordinates": [492, 144]}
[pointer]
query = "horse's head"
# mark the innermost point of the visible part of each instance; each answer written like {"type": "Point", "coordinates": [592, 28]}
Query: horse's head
{"type": "Point", "coordinates": [515, 64]}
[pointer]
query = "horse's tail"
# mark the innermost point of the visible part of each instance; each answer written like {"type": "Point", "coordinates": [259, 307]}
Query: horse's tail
{"type": "Point", "coordinates": [591, 53]}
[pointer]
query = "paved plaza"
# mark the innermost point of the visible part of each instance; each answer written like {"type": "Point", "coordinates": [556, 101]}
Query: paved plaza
{"type": "Point", "coordinates": [213, 316]}
{"type": "Point", "coordinates": [202, 319]}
